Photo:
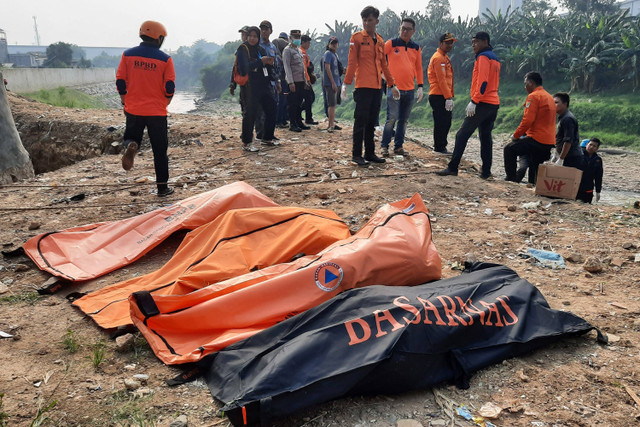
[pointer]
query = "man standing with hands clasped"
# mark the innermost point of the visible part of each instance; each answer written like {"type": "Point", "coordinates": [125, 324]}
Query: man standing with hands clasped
{"type": "Point", "coordinates": [366, 63]}
{"type": "Point", "coordinates": [405, 63]}
{"type": "Point", "coordinates": [440, 74]}
{"type": "Point", "coordinates": [483, 108]}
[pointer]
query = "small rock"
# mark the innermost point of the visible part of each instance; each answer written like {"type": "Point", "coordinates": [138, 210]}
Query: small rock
{"type": "Point", "coordinates": [3, 288]}
{"type": "Point", "coordinates": [617, 262]}
{"type": "Point", "coordinates": [143, 378]}
{"type": "Point", "coordinates": [628, 245]}
{"type": "Point", "coordinates": [566, 302]}
{"type": "Point", "coordinates": [341, 190]}
{"type": "Point", "coordinates": [131, 384]}
{"type": "Point", "coordinates": [181, 421]}
{"type": "Point", "coordinates": [408, 423]}
{"type": "Point", "coordinates": [124, 343]}
{"type": "Point", "coordinates": [637, 258]}
{"type": "Point", "coordinates": [471, 258]}
{"type": "Point", "coordinates": [130, 367]}
{"type": "Point", "coordinates": [19, 268]}
{"type": "Point", "coordinates": [512, 208]}
{"type": "Point", "coordinates": [438, 422]}
{"type": "Point", "coordinates": [323, 196]}
{"type": "Point", "coordinates": [613, 338]}
{"type": "Point", "coordinates": [34, 226]}
{"type": "Point", "coordinates": [522, 376]}
{"type": "Point", "coordinates": [592, 265]}
{"type": "Point", "coordinates": [575, 258]}
{"type": "Point", "coordinates": [588, 275]}
{"type": "Point", "coordinates": [142, 392]}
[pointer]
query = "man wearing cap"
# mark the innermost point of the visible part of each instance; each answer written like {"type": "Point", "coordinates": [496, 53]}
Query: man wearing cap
{"type": "Point", "coordinates": [482, 110]}
{"type": "Point", "coordinates": [297, 80]}
{"type": "Point", "coordinates": [233, 85]}
{"type": "Point", "coordinates": [146, 83]}
{"type": "Point", "coordinates": [366, 63]}
{"type": "Point", "coordinates": [440, 75]}
{"type": "Point", "coordinates": [405, 63]}
{"type": "Point", "coordinates": [265, 32]}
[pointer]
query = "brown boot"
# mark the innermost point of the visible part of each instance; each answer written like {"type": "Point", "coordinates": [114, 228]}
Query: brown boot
{"type": "Point", "coordinates": [129, 155]}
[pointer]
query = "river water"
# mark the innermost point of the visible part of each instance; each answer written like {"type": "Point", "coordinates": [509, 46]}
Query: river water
{"type": "Point", "coordinates": [183, 102]}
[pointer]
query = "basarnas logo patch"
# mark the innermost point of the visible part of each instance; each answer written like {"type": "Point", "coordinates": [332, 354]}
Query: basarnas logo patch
{"type": "Point", "coordinates": [328, 276]}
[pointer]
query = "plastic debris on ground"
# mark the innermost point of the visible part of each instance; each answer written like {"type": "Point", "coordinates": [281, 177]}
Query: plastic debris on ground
{"type": "Point", "coordinates": [547, 258]}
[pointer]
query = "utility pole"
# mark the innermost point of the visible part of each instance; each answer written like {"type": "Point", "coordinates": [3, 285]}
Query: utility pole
{"type": "Point", "coordinates": [35, 26]}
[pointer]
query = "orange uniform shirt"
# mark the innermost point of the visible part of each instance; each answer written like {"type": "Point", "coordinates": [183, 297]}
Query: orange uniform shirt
{"type": "Point", "coordinates": [486, 78]}
{"type": "Point", "coordinates": [405, 63]}
{"type": "Point", "coordinates": [367, 62]}
{"type": "Point", "coordinates": [539, 119]}
{"type": "Point", "coordinates": [147, 77]}
{"type": "Point", "coordinates": [440, 74]}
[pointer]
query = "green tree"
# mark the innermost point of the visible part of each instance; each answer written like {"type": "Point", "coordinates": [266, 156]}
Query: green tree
{"type": "Point", "coordinates": [59, 55]}
{"type": "Point", "coordinates": [106, 61]}
{"type": "Point", "coordinates": [591, 6]}
{"type": "Point", "coordinates": [439, 9]}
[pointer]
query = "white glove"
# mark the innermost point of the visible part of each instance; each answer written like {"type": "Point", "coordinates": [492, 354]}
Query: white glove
{"type": "Point", "coordinates": [554, 158]}
{"type": "Point", "coordinates": [559, 162]}
{"type": "Point", "coordinates": [420, 95]}
{"type": "Point", "coordinates": [343, 93]}
{"type": "Point", "coordinates": [395, 93]}
{"type": "Point", "coordinates": [597, 197]}
{"type": "Point", "coordinates": [471, 109]}
{"type": "Point", "coordinates": [448, 105]}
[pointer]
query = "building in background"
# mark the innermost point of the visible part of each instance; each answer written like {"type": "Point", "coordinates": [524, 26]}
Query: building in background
{"type": "Point", "coordinates": [632, 5]}
{"type": "Point", "coordinates": [495, 6]}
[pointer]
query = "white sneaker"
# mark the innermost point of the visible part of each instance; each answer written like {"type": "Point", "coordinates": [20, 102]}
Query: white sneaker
{"type": "Point", "coordinates": [250, 148]}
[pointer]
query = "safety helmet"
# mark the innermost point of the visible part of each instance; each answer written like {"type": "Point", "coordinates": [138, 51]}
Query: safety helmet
{"type": "Point", "coordinates": [153, 29]}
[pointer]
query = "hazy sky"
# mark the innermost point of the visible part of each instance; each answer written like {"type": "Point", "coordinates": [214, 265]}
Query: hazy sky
{"type": "Point", "coordinates": [116, 22]}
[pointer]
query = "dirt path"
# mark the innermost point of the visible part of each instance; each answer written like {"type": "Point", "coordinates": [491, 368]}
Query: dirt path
{"type": "Point", "coordinates": [575, 382]}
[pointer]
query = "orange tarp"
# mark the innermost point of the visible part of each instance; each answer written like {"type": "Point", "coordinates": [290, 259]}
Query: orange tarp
{"type": "Point", "coordinates": [393, 248]}
{"type": "Point", "coordinates": [89, 251]}
{"type": "Point", "coordinates": [235, 243]}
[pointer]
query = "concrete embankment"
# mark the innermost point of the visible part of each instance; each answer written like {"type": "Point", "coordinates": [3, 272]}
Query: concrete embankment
{"type": "Point", "coordinates": [33, 79]}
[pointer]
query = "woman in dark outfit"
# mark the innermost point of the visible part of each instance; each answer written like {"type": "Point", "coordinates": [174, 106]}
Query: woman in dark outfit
{"type": "Point", "coordinates": [253, 60]}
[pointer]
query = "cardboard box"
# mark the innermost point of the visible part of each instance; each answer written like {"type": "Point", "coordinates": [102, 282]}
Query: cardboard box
{"type": "Point", "coordinates": [558, 181]}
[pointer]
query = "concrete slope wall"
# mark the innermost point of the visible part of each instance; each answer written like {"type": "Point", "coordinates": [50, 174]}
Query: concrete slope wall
{"type": "Point", "coordinates": [34, 79]}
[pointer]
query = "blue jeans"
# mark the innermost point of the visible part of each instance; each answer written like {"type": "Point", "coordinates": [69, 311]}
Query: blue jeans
{"type": "Point", "coordinates": [397, 111]}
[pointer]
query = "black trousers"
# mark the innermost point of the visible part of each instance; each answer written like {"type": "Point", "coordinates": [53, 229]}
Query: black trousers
{"type": "Point", "coordinates": [535, 152]}
{"type": "Point", "coordinates": [295, 100]}
{"type": "Point", "coordinates": [309, 97]}
{"type": "Point", "coordinates": [365, 117]}
{"type": "Point", "coordinates": [441, 122]}
{"type": "Point", "coordinates": [483, 120]}
{"type": "Point", "coordinates": [259, 96]}
{"type": "Point", "coordinates": [158, 135]}
{"type": "Point", "coordinates": [261, 117]}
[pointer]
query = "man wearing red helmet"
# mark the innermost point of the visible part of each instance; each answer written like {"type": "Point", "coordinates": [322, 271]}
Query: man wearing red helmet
{"type": "Point", "coordinates": [146, 83]}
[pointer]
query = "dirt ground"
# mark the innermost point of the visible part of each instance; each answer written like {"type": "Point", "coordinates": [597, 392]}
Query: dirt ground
{"type": "Point", "coordinates": [49, 372]}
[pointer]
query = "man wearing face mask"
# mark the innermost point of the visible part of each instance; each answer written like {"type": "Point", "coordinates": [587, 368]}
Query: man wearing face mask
{"type": "Point", "coordinates": [366, 63]}
{"type": "Point", "coordinates": [296, 76]}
